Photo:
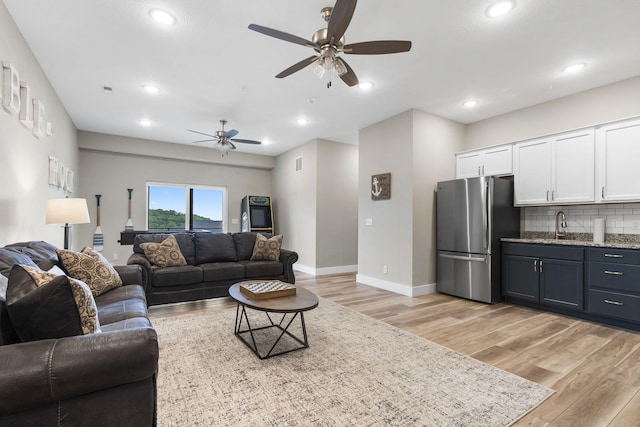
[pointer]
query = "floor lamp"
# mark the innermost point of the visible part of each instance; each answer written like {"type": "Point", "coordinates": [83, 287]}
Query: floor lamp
{"type": "Point", "coordinates": [67, 211]}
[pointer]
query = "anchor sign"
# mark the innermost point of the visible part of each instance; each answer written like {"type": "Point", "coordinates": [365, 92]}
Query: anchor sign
{"type": "Point", "coordinates": [381, 186]}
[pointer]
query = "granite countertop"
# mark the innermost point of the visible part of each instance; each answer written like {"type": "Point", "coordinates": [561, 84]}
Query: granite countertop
{"type": "Point", "coordinates": [622, 241]}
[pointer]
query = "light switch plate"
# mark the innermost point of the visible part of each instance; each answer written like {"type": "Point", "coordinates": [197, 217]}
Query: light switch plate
{"type": "Point", "coordinates": [368, 221]}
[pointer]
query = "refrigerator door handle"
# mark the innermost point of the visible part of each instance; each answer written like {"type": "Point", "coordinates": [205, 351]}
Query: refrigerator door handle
{"type": "Point", "coordinates": [462, 258]}
{"type": "Point", "coordinates": [486, 214]}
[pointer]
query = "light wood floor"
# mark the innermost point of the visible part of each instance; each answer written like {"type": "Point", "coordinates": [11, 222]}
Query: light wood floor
{"type": "Point", "coordinates": [594, 369]}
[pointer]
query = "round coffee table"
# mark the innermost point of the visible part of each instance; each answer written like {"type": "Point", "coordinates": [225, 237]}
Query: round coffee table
{"type": "Point", "coordinates": [291, 307]}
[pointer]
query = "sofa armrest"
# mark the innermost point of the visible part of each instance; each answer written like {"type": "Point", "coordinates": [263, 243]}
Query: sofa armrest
{"type": "Point", "coordinates": [38, 373]}
{"type": "Point", "coordinates": [130, 274]}
{"type": "Point", "coordinates": [145, 264]}
{"type": "Point", "coordinates": [288, 258]}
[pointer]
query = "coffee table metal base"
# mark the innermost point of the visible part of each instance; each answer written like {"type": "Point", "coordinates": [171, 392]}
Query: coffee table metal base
{"type": "Point", "coordinates": [282, 325]}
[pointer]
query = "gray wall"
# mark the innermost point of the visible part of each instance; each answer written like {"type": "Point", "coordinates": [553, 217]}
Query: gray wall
{"type": "Point", "coordinates": [418, 150]}
{"type": "Point", "coordinates": [616, 101]}
{"type": "Point", "coordinates": [24, 158]}
{"type": "Point", "coordinates": [316, 208]}
{"type": "Point", "coordinates": [110, 174]}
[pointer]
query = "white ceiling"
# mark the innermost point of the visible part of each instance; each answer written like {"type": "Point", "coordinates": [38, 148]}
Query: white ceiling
{"type": "Point", "coordinates": [210, 66]}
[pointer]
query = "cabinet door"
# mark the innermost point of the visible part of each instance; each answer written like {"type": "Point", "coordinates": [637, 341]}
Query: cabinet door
{"type": "Point", "coordinates": [468, 165]}
{"type": "Point", "coordinates": [573, 167]}
{"type": "Point", "coordinates": [561, 283]}
{"type": "Point", "coordinates": [618, 147]}
{"type": "Point", "coordinates": [497, 161]}
{"type": "Point", "coordinates": [520, 277]}
{"type": "Point", "coordinates": [532, 171]}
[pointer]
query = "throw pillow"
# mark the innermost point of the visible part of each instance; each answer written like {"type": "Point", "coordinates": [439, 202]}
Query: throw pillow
{"type": "Point", "coordinates": [90, 267]}
{"type": "Point", "coordinates": [42, 305]}
{"type": "Point", "coordinates": [267, 249]}
{"type": "Point", "coordinates": [164, 254]}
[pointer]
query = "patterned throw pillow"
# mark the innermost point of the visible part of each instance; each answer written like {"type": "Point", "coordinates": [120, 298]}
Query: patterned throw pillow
{"type": "Point", "coordinates": [90, 267]}
{"type": "Point", "coordinates": [43, 305]}
{"type": "Point", "coordinates": [164, 254]}
{"type": "Point", "coordinates": [267, 249]}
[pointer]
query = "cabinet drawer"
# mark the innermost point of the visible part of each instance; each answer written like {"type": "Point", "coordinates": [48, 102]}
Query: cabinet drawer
{"type": "Point", "coordinates": [621, 256]}
{"type": "Point", "coordinates": [623, 277]}
{"type": "Point", "coordinates": [621, 306]}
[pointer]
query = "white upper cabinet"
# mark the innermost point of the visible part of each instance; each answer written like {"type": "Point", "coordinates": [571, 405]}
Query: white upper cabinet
{"type": "Point", "coordinates": [487, 162]}
{"type": "Point", "coordinates": [618, 147]}
{"type": "Point", "coordinates": [555, 170]}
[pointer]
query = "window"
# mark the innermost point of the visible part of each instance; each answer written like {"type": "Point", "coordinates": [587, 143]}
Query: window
{"type": "Point", "coordinates": [174, 207]}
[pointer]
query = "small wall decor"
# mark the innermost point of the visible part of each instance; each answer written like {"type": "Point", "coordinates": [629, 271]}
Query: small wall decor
{"type": "Point", "coordinates": [381, 186]}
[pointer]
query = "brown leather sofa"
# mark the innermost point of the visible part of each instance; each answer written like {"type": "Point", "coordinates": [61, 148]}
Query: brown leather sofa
{"type": "Point", "coordinates": [100, 379]}
{"type": "Point", "coordinates": [215, 261]}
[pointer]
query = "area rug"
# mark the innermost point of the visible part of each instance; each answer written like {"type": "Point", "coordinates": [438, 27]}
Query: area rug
{"type": "Point", "coordinates": [358, 371]}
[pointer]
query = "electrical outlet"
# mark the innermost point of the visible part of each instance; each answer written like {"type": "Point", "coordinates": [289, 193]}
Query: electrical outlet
{"type": "Point", "coordinates": [368, 221]}
{"type": "Point", "coordinates": [385, 269]}
{"type": "Point", "coordinates": [115, 257]}
{"type": "Point", "coordinates": [636, 225]}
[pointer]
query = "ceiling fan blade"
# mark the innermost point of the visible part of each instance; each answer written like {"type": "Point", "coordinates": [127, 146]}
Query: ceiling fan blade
{"type": "Point", "coordinates": [340, 19]}
{"type": "Point", "coordinates": [204, 140]}
{"type": "Point", "coordinates": [377, 47]}
{"type": "Point", "coordinates": [233, 147]}
{"type": "Point", "coordinates": [297, 67]}
{"type": "Point", "coordinates": [282, 35]}
{"type": "Point", "coordinates": [246, 141]}
{"type": "Point", "coordinates": [201, 133]}
{"type": "Point", "coordinates": [231, 133]}
{"type": "Point", "coordinates": [349, 77]}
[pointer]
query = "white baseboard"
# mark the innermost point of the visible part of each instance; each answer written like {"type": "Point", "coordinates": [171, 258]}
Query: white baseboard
{"type": "Point", "coordinates": [410, 291]}
{"type": "Point", "coordinates": [340, 269]}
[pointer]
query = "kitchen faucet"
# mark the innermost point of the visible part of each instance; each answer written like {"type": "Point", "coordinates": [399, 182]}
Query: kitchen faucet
{"type": "Point", "coordinates": [563, 224]}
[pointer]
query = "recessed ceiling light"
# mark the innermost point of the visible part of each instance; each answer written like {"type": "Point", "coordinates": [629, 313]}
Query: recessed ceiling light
{"type": "Point", "coordinates": [471, 103]}
{"type": "Point", "coordinates": [151, 88]}
{"type": "Point", "coordinates": [500, 8]}
{"type": "Point", "coordinates": [365, 85]}
{"type": "Point", "coordinates": [302, 121]}
{"type": "Point", "coordinates": [573, 68]}
{"type": "Point", "coordinates": [144, 122]}
{"type": "Point", "coordinates": [162, 17]}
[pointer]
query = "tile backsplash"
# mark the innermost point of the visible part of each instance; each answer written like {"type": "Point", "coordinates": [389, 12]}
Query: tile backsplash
{"type": "Point", "coordinates": [618, 218]}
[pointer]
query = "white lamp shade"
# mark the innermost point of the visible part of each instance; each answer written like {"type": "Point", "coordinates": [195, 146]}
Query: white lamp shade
{"type": "Point", "coordinates": [67, 211]}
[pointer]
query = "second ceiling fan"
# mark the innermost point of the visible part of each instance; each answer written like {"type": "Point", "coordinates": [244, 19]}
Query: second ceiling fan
{"type": "Point", "coordinates": [329, 42]}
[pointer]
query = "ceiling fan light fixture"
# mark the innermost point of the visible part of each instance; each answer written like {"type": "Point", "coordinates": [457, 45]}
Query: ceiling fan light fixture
{"type": "Point", "coordinates": [340, 69]}
{"type": "Point", "coordinates": [318, 70]}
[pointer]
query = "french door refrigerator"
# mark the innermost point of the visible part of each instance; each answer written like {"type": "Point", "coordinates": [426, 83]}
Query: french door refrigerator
{"type": "Point", "coordinates": [473, 214]}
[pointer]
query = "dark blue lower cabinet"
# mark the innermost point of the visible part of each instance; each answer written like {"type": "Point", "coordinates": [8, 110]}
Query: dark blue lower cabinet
{"type": "Point", "coordinates": [561, 283]}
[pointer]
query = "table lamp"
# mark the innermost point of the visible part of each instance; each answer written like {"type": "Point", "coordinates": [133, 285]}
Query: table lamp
{"type": "Point", "coordinates": [67, 211]}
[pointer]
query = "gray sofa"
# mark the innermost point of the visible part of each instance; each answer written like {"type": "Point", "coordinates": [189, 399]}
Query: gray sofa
{"type": "Point", "coordinates": [215, 261]}
{"type": "Point", "coordinates": [99, 379]}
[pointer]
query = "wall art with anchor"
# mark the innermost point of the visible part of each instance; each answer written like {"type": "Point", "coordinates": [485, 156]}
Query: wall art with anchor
{"type": "Point", "coordinates": [381, 186]}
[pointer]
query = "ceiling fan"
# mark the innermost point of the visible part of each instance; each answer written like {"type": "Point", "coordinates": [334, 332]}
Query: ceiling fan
{"type": "Point", "coordinates": [224, 139]}
{"type": "Point", "coordinates": [329, 42]}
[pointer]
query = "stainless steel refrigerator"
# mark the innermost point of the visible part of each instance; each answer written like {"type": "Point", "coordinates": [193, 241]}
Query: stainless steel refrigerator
{"type": "Point", "coordinates": [473, 214]}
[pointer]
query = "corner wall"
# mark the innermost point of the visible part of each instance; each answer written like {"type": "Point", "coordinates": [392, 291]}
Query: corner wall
{"type": "Point", "coordinates": [24, 172]}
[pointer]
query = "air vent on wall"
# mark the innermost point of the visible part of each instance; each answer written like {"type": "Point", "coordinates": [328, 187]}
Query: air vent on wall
{"type": "Point", "coordinates": [298, 164]}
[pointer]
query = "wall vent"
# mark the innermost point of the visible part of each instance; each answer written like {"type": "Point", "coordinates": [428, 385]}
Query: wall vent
{"type": "Point", "coordinates": [298, 164]}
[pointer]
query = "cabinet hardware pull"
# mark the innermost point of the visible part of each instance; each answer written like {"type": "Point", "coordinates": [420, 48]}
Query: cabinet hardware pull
{"type": "Point", "coordinates": [614, 273]}
{"type": "Point", "coordinates": [613, 256]}
{"type": "Point", "coordinates": [553, 195]}
{"type": "Point", "coordinates": [479, 174]}
{"type": "Point", "coordinates": [547, 195]}
{"type": "Point", "coordinates": [482, 169]}
{"type": "Point", "coordinates": [614, 302]}
{"type": "Point", "coordinates": [535, 266]}
{"type": "Point", "coordinates": [603, 192]}
{"type": "Point", "coordinates": [540, 266]}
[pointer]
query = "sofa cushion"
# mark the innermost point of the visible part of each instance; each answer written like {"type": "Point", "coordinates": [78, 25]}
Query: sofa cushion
{"type": "Point", "coordinates": [266, 249]}
{"type": "Point", "coordinates": [244, 241]}
{"type": "Point", "coordinates": [262, 268]}
{"type": "Point", "coordinates": [214, 247]}
{"type": "Point", "coordinates": [43, 305]}
{"type": "Point", "coordinates": [41, 253]}
{"type": "Point", "coordinates": [9, 258]}
{"type": "Point", "coordinates": [164, 254]}
{"type": "Point", "coordinates": [185, 241]}
{"type": "Point", "coordinates": [90, 267]}
{"type": "Point", "coordinates": [171, 276]}
{"type": "Point", "coordinates": [217, 271]}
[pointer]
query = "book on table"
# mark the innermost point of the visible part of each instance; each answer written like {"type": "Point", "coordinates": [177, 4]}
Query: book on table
{"type": "Point", "coordinates": [267, 289]}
